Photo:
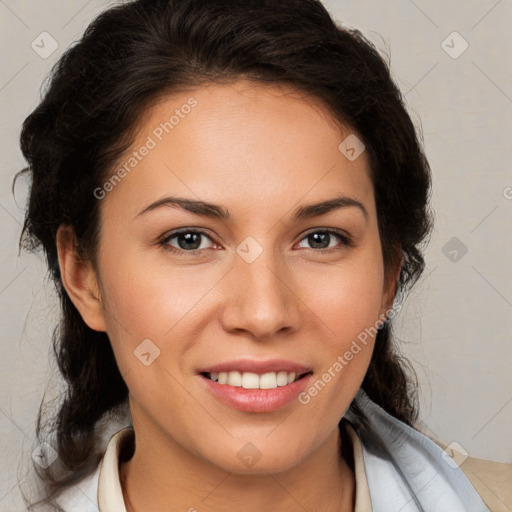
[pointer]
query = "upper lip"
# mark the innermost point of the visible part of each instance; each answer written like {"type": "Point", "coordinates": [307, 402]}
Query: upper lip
{"type": "Point", "coordinates": [257, 366]}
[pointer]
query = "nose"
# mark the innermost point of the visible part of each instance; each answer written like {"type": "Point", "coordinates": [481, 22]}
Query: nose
{"type": "Point", "coordinates": [259, 298]}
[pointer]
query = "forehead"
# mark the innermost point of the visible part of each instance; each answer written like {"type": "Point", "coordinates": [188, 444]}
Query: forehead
{"type": "Point", "coordinates": [239, 143]}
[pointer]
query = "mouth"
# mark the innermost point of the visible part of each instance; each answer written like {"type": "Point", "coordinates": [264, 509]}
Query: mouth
{"type": "Point", "coordinates": [252, 392]}
{"type": "Point", "coordinates": [256, 385]}
{"type": "Point", "coordinates": [250, 380]}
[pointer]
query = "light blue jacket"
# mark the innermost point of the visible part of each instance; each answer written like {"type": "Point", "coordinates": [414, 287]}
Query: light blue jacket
{"type": "Point", "coordinates": [407, 471]}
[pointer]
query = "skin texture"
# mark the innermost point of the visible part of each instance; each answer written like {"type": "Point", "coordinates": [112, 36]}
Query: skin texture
{"type": "Point", "coordinates": [260, 151]}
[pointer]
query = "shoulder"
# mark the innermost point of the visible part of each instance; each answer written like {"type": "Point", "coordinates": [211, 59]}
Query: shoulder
{"type": "Point", "coordinates": [102, 488]}
{"type": "Point", "coordinates": [114, 435]}
{"type": "Point", "coordinates": [406, 470]}
{"type": "Point", "coordinates": [492, 480]}
{"type": "Point", "coordinates": [81, 497]}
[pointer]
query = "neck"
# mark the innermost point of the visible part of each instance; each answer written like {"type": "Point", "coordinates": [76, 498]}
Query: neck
{"type": "Point", "coordinates": [162, 475]}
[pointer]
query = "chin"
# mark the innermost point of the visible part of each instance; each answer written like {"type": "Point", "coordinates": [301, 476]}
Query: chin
{"type": "Point", "coordinates": [258, 457]}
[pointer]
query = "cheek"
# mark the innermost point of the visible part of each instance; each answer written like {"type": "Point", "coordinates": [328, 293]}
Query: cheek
{"type": "Point", "coordinates": [347, 311]}
{"type": "Point", "coordinates": [346, 299]}
{"type": "Point", "coordinates": [147, 299]}
{"type": "Point", "coordinates": [347, 303]}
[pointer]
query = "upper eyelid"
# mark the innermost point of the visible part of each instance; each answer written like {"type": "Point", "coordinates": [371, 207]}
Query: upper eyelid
{"type": "Point", "coordinates": [172, 234]}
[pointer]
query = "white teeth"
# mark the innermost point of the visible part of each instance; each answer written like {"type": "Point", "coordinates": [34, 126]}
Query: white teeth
{"type": "Point", "coordinates": [268, 381]}
{"type": "Point", "coordinates": [235, 379]}
{"type": "Point", "coordinates": [248, 380]}
{"type": "Point", "coordinates": [282, 378]}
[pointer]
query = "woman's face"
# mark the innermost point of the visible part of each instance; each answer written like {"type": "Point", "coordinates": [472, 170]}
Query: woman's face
{"type": "Point", "coordinates": [266, 289]}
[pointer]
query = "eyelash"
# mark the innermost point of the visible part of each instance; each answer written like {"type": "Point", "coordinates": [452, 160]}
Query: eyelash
{"type": "Point", "coordinates": [164, 242]}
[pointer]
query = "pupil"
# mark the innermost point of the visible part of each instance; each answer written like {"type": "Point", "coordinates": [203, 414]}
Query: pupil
{"type": "Point", "coordinates": [189, 239]}
{"type": "Point", "coordinates": [318, 238]}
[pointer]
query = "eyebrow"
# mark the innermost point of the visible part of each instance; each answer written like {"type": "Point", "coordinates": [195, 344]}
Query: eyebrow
{"type": "Point", "coordinates": [218, 212]}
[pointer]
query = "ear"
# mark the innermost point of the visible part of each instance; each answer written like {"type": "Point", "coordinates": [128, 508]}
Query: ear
{"type": "Point", "coordinates": [390, 283]}
{"type": "Point", "coordinates": [79, 279]}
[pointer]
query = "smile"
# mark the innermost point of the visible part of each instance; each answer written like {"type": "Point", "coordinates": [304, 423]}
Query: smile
{"type": "Point", "coordinates": [249, 380]}
{"type": "Point", "coordinates": [248, 393]}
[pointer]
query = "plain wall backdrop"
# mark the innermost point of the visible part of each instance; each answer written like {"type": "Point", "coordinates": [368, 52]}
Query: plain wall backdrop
{"type": "Point", "coordinates": [452, 61]}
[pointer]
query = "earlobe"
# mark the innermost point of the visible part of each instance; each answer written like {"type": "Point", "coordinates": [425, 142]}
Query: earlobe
{"type": "Point", "coordinates": [79, 279]}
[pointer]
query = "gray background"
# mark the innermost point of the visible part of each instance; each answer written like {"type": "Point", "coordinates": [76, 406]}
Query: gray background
{"type": "Point", "coordinates": [455, 326]}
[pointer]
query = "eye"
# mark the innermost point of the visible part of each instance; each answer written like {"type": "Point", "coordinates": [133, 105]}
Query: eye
{"type": "Point", "coordinates": [320, 239]}
{"type": "Point", "coordinates": [187, 240]}
{"type": "Point", "coordinates": [190, 241]}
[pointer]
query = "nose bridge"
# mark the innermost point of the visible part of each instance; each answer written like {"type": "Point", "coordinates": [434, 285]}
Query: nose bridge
{"type": "Point", "coordinates": [259, 298]}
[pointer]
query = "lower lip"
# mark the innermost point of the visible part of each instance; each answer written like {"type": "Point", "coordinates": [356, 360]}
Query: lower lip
{"type": "Point", "coordinates": [257, 400]}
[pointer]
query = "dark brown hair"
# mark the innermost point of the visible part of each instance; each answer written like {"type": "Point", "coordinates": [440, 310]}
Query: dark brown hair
{"type": "Point", "coordinates": [137, 51]}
